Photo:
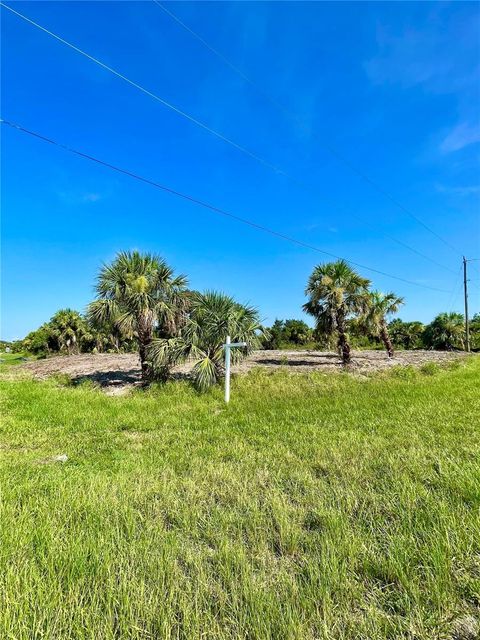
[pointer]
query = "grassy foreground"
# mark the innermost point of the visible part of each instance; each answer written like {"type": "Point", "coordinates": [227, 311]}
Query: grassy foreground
{"type": "Point", "coordinates": [311, 507]}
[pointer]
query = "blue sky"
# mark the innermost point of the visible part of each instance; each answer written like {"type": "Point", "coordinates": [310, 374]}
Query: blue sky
{"type": "Point", "coordinates": [393, 87]}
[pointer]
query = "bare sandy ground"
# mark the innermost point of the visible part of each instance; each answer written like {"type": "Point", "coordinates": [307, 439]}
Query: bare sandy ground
{"type": "Point", "coordinates": [123, 369]}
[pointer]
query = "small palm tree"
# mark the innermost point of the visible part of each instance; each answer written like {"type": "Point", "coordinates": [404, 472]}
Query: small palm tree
{"type": "Point", "coordinates": [446, 331]}
{"type": "Point", "coordinates": [336, 291]}
{"type": "Point", "coordinates": [212, 316]}
{"type": "Point", "coordinates": [378, 307]}
{"type": "Point", "coordinates": [140, 294]}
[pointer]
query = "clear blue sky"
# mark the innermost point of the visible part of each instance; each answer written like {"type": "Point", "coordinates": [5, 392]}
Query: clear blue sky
{"type": "Point", "coordinates": [394, 87]}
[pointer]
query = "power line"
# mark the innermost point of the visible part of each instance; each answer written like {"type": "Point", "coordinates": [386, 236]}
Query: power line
{"type": "Point", "coordinates": [215, 51]}
{"type": "Point", "coordinates": [219, 135]}
{"type": "Point", "coordinates": [301, 121]}
{"type": "Point", "coordinates": [146, 91]}
{"type": "Point", "coordinates": [209, 206]}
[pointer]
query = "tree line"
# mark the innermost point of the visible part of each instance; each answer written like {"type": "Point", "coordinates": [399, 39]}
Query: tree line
{"type": "Point", "coordinates": [445, 333]}
{"type": "Point", "coordinates": [143, 305]}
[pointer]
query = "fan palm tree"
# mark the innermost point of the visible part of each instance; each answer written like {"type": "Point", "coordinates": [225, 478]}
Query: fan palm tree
{"type": "Point", "coordinates": [336, 291]}
{"type": "Point", "coordinates": [68, 330]}
{"type": "Point", "coordinates": [378, 307]}
{"type": "Point", "coordinates": [446, 331]}
{"type": "Point", "coordinates": [406, 334]}
{"type": "Point", "coordinates": [140, 294]}
{"type": "Point", "coordinates": [212, 316]}
{"type": "Point", "coordinates": [106, 337]}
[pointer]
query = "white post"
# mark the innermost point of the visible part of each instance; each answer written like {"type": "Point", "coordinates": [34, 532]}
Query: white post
{"type": "Point", "coordinates": [228, 346]}
{"type": "Point", "coordinates": [227, 369]}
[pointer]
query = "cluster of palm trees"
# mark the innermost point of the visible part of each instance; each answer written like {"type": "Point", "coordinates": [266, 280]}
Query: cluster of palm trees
{"type": "Point", "coordinates": [142, 303]}
{"type": "Point", "coordinates": [69, 332]}
{"type": "Point", "coordinates": [144, 298]}
{"type": "Point", "coordinates": [337, 293]}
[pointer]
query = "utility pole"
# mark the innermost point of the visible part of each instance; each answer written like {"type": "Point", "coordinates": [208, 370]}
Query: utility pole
{"type": "Point", "coordinates": [465, 293]}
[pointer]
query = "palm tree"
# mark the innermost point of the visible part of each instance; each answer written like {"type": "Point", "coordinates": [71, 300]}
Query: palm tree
{"type": "Point", "coordinates": [106, 337]}
{"type": "Point", "coordinates": [378, 307]}
{"type": "Point", "coordinates": [68, 330]}
{"type": "Point", "coordinates": [446, 331]}
{"type": "Point", "coordinates": [212, 316]}
{"type": "Point", "coordinates": [406, 334]}
{"type": "Point", "coordinates": [335, 292]}
{"type": "Point", "coordinates": [140, 294]}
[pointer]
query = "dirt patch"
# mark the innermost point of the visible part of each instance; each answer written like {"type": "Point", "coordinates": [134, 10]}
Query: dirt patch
{"type": "Point", "coordinates": [117, 373]}
{"type": "Point", "coordinates": [362, 361]}
{"type": "Point", "coordinates": [105, 369]}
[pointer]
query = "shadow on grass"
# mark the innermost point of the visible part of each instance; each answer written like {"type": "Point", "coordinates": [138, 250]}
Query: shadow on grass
{"type": "Point", "coordinates": [109, 378]}
{"type": "Point", "coordinates": [296, 363]}
{"type": "Point", "coordinates": [116, 378]}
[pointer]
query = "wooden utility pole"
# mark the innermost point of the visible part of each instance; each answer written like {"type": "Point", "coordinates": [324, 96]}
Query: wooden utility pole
{"type": "Point", "coordinates": [465, 293]}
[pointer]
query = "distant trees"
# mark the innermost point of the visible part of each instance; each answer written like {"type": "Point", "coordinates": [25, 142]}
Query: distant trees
{"type": "Point", "coordinates": [37, 342]}
{"type": "Point", "coordinates": [475, 332]}
{"type": "Point", "coordinates": [407, 335]}
{"type": "Point", "coordinates": [336, 292]}
{"type": "Point", "coordinates": [139, 294]}
{"type": "Point", "coordinates": [297, 332]}
{"type": "Point", "coordinates": [107, 337]}
{"type": "Point", "coordinates": [445, 332]}
{"type": "Point", "coordinates": [68, 331]}
{"type": "Point", "coordinates": [284, 333]}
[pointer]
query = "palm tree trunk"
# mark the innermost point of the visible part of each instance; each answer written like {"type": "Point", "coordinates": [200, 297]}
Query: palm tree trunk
{"type": "Point", "coordinates": [145, 334]}
{"type": "Point", "coordinates": [343, 345]}
{"type": "Point", "coordinates": [143, 345]}
{"type": "Point", "coordinates": [386, 340]}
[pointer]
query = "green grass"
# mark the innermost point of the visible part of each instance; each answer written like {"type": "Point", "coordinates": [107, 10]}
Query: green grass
{"type": "Point", "coordinates": [312, 507]}
{"type": "Point", "coordinates": [7, 359]}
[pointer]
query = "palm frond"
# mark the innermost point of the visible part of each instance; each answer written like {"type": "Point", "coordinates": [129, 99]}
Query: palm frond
{"type": "Point", "coordinates": [205, 373]}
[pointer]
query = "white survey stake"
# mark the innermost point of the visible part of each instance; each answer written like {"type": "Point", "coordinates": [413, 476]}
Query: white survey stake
{"type": "Point", "coordinates": [227, 346]}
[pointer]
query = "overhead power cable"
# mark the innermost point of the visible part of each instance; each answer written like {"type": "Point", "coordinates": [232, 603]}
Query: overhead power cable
{"type": "Point", "coordinates": [165, 103]}
{"type": "Point", "coordinates": [301, 121]}
{"type": "Point", "coordinates": [219, 135]}
{"type": "Point", "coordinates": [211, 207]}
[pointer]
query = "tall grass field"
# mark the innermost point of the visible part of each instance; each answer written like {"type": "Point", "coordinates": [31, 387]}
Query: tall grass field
{"type": "Point", "coordinates": [312, 507]}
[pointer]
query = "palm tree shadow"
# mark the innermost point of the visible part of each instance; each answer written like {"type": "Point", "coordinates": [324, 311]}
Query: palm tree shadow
{"type": "Point", "coordinates": [110, 378]}
{"type": "Point", "coordinates": [326, 356]}
{"type": "Point", "coordinates": [295, 363]}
